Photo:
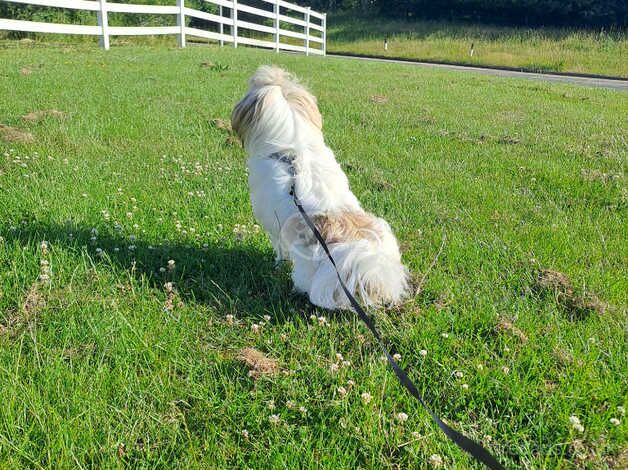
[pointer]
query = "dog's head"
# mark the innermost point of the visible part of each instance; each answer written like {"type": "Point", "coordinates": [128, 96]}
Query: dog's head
{"type": "Point", "coordinates": [273, 98]}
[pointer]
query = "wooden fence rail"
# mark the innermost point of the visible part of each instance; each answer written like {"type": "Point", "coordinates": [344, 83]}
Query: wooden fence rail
{"type": "Point", "coordinates": [285, 21]}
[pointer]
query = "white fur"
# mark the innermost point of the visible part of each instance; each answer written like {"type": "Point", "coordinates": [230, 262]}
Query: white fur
{"type": "Point", "coordinates": [371, 267]}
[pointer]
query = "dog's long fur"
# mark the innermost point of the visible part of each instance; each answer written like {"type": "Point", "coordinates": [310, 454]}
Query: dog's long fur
{"type": "Point", "coordinates": [279, 115]}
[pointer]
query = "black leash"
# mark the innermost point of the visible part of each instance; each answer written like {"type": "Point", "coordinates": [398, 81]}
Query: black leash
{"type": "Point", "coordinates": [466, 444]}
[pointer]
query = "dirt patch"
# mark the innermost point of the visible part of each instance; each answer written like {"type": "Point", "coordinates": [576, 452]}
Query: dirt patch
{"type": "Point", "coordinates": [379, 99]}
{"type": "Point", "coordinates": [506, 326]}
{"type": "Point", "coordinates": [597, 175]}
{"type": "Point", "coordinates": [225, 126]}
{"type": "Point", "coordinates": [509, 140]}
{"type": "Point", "coordinates": [37, 116]}
{"type": "Point", "coordinates": [221, 124]}
{"type": "Point", "coordinates": [258, 363]}
{"type": "Point", "coordinates": [12, 134]}
{"type": "Point", "coordinates": [560, 286]}
{"type": "Point", "coordinates": [23, 317]}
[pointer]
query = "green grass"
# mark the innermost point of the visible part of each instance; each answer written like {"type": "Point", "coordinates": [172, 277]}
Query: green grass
{"type": "Point", "coordinates": [537, 49]}
{"type": "Point", "coordinates": [100, 366]}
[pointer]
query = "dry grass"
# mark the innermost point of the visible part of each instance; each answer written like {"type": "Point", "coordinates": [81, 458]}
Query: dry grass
{"type": "Point", "coordinates": [15, 135]}
{"type": "Point", "coordinates": [36, 116]}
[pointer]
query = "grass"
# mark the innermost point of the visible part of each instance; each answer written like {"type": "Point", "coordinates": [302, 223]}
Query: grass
{"type": "Point", "coordinates": [102, 363]}
{"type": "Point", "coordinates": [538, 49]}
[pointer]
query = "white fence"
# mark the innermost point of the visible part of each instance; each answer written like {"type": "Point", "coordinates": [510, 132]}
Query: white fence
{"type": "Point", "coordinates": [271, 22]}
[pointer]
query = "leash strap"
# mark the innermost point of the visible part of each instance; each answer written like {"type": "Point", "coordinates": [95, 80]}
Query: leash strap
{"type": "Point", "coordinates": [466, 444]}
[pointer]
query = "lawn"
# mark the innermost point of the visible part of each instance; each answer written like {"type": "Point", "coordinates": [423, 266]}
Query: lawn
{"type": "Point", "coordinates": [130, 181]}
{"type": "Point", "coordinates": [531, 49]}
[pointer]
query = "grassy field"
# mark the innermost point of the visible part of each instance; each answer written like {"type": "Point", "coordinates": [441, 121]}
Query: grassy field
{"type": "Point", "coordinates": [540, 49]}
{"type": "Point", "coordinates": [128, 183]}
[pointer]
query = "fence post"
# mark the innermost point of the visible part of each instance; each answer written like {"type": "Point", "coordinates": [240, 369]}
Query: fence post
{"type": "Point", "coordinates": [307, 31]}
{"type": "Point", "coordinates": [181, 23]}
{"type": "Point", "coordinates": [221, 27]}
{"type": "Point", "coordinates": [234, 28]}
{"type": "Point", "coordinates": [324, 36]}
{"type": "Point", "coordinates": [276, 11]}
{"type": "Point", "coordinates": [103, 23]}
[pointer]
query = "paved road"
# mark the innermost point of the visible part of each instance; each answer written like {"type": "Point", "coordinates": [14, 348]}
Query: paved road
{"type": "Point", "coordinates": [614, 84]}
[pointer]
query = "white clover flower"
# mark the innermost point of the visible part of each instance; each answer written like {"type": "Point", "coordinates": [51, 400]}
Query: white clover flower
{"type": "Point", "coordinates": [415, 435]}
{"type": "Point", "coordinates": [313, 317]}
{"type": "Point", "coordinates": [346, 363]}
{"type": "Point", "coordinates": [350, 383]}
{"type": "Point", "coordinates": [458, 374]}
{"type": "Point", "coordinates": [621, 410]}
{"type": "Point", "coordinates": [255, 327]}
{"type": "Point", "coordinates": [274, 419]}
{"type": "Point", "coordinates": [162, 270]}
{"type": "Point", "coordinates": [444, 335]}
{"type": "Point", "coordinates": [334, 368]}
{"type": "Point", "coordinates": [271, 405]}
{"type": "Point", "coordinates": [266, 317]}
{"type": "Point", "coordinates": [132, 247]}
{"type": "Point", "coordinates": [402, 417]}
{"type": "Point", "coordinates": [574, 420]}
{"type": "Point", "coordinates": [423, 352]}
{"type": "Point", "coordinates": [505, 370]}
{"type": "Point", "coordinates": [283, 337]}
{"type": "Point", "coordinates": [465, 386]}
{"type": "Point", "coordinates": [171, 264]}
{"type": "Point", "coordinates": [339, 357]}
{"type": "Point", "coordinates": [480, 367]}
{"type": "Point", "coordinates": [169, 287]}
{"type": "Point", "coordinates": [290, 404]}
{"type": "Point", "coordinates": [342, 392]}
{"type": "Point", "coordinates": [303, 410]}
{"type": "Point", "coordinates": [99, 251]}
{"type": "Point", "coordinates": [366, 397]}
{"type": "Point", "coordinates": [245, 434]}
{"type": "Point", "coordinates": [322, 321]}
{"type": "Point", "coordinates": [129, 214]}
{"type": "Point", "coordinates": [397, 357]}
{"type": "Point", "coordinates": [615, 421]}
{"type": "Point", "coordinates": [436, 460]}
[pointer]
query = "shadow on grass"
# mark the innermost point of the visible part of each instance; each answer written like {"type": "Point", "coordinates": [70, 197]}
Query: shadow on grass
{"type": "Point", "coordinates": [242, 280]}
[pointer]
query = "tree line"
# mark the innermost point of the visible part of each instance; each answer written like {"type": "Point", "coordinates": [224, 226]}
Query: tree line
{"type": "Point", "coordinates": [588, 13]}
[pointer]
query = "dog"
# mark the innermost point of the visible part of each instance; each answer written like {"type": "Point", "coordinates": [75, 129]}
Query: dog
{"type": "Point", "coordinates": [280, 126]}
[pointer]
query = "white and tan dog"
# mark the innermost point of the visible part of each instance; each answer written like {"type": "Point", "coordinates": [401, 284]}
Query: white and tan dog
{"type": "Point", "coordinates": [281, 128]}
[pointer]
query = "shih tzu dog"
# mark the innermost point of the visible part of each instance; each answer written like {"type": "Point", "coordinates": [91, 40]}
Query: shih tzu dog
{"type": "Point", "coordinates": [280, 126]}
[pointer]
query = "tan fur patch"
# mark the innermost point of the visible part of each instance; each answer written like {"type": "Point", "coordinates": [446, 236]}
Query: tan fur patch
{"type": "Point", "coordinates": [305, 104]}
{"type": "Point", "coordinates": [348, 226]}
{"type": "Point", "coordinates": [258, 363]}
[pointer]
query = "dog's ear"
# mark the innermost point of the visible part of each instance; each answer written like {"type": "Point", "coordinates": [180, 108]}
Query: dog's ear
{"type": "Point", "coordinates": [245, 113]}
{"type": "Point", "coordinates": [305, 104]}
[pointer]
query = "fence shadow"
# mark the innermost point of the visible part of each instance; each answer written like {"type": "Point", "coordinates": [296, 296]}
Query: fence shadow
{"type": "Point", "coordinates": [243, 280]}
